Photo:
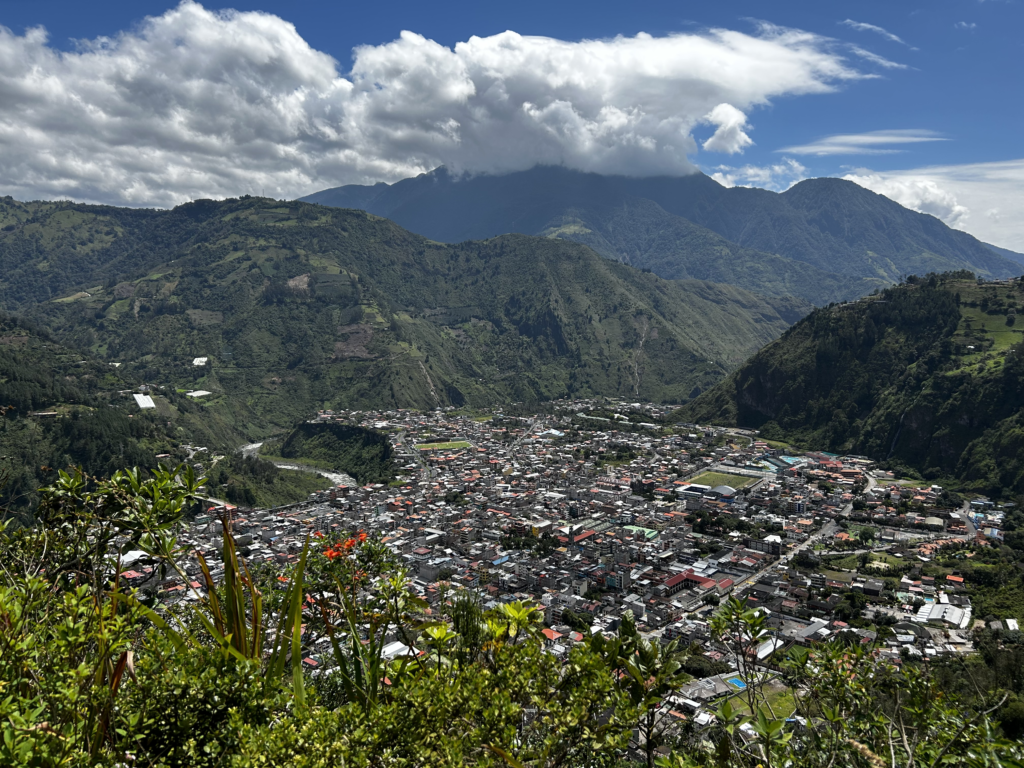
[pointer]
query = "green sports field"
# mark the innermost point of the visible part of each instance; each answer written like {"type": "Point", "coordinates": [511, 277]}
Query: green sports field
{"type": "Point", "coordinates": [444, 446]}
{"type": "Point", "coordinates": [715, 479]}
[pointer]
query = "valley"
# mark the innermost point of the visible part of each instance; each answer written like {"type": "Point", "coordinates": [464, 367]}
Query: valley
{"type": "Point", "coordinates": [276, 309]}
{"type": "Point", "coordinates": [511, 386]}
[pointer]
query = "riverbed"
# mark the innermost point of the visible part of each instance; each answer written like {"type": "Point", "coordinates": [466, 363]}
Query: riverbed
{"type": "Point", "coordinates": [336, 477]}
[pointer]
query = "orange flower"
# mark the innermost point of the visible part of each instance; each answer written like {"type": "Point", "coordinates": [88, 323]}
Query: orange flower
{"type": "Point", "coordinates": [362, 537]}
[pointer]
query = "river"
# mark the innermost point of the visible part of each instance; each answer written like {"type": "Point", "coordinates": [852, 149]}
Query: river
{"type": "Point", "coordinates": [338, 478]}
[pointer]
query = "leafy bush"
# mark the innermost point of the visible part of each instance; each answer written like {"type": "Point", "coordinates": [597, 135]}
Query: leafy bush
{"type": "Point", "coordinates": [91, 674]}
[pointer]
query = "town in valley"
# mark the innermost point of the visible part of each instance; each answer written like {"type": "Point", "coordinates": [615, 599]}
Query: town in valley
{"type": "Point", "coordinates": [594, 509]}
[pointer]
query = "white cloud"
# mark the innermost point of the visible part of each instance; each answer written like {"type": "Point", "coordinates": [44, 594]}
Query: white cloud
{"type": "Point", "coordinates": [874, 58]}
{"type": "Point", "coordinates": [778, 177]}
{"type": "Point", "coordinates": [917, 193]}
{"type": "Point", "coordinates": [862, 27]}
{"type": "Point", "coordinates": [870, 143]}
{"type": "Point", "coordinates": [195, 103]}
{"type": "Point", "coordinates": [965, 25]}
{"type": "Point", "coordinates": [729, 137]}
{"type": "Point", "coordinates": [972, 197]}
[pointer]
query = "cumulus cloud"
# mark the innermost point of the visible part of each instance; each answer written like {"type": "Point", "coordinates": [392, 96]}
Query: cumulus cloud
{"type": "Point", "coordinates": [917, 193]}
{"type": "Point", "coordinates": [870, 143]}
{"type": "Point", "coordinates": [778, 177]}
{"type": "Point", "coordinates": [196, 103]}
{"type": "Point", "coordinates": [729, 137]}
{"type": "Point", "coordinates": [972, 197]}
{"type": "Point", "coordinates": [965, 25]}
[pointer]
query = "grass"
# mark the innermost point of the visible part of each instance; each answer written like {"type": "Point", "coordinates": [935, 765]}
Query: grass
{"type": "Point", "coordinates": [908, 483]}
{"type": "Point", "coordinates": [444, 446]}
{"type": "Point", "coordinates": [985, 327]}
{"type": "Point", "coordinates": [715, 479]}
{"type": "Point", "coordinates": [778, 695]}
{"type": "Point", "coordinates": [849, 562]}
{"type": "Point", "coordinates": [852, 562]}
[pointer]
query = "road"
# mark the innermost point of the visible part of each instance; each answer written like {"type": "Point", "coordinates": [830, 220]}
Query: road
{"type": "Point", "coordinates": [426, 472]}
{"type": "Point", "coordinates": [826, 530]}
{"type": "Point", "coordinates": [338, 478]}
{"type": "Point", "coordinates": [526, 434]}
{"type": "Point", "coordinates": [964, 514]}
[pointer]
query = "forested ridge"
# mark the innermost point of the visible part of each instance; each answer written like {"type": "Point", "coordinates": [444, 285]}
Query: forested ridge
{"type": "Point", "coordinates": [363, 453]}
{"type": "Point", "coordinates": [299, 307]}
{"type": "Point", "coordinates": [89, 424]}
{"type": "Point", "coordinates": [60, 409]}
{"type": "Point", "coordinates": [925, 376]}
{"type": "Point", "coordinates": [822, 240]}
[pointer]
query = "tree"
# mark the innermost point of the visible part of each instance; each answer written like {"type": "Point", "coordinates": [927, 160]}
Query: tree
{"type": "Point", "coordinates": [857, 710]}
{"type": "Point", "coordinates": [92, 674]}
{"type": "Point", "coordinates": [647, 672]}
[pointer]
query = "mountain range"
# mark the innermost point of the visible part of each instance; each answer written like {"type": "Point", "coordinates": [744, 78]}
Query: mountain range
{"type": "Point", "coordinates": [927, 377]}
{"type": "Point", "coordinates": [278, 309]}
{"type": "Point", "coordinates": [270, 310]}
{"type": "Point", "coordinates": [822, 240]}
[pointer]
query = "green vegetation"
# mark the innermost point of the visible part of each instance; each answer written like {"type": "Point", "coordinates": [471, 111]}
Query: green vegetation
{"type": "Point", "coordinates": [95, 424]}
{"type": "Point", "coordinates": [924, 378]}
{"type": "Point", "coordinates": [365, 454]}
{"type": "Point", "coordinates": [444, 446]}
{"type": "Point", "coordinates": [299, 307]}
{"type": "Point", "coordinates": [93, 421]}
{"type": "Point", "coordinates": [777, 696]}
{"type": "Point", "coordinates": [715, 479]}
{"type": "Point", "coordinates": [221, 680]}
{"type": "Point", "coordinates": [643, 234]}
{"type": "Point", "coordinates": [249, 481]}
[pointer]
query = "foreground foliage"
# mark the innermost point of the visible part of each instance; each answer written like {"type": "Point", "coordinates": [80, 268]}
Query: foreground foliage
{"type": "Point", "coordinates": [92, 673]}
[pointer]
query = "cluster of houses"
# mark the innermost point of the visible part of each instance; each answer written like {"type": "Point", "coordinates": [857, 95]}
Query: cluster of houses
{"type": "Point", "coordinates": [595, 509]}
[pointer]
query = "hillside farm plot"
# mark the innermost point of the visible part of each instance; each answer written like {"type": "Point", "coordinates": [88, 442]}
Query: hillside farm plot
{"type": "Point", "coordinates": [715, 479]}
{"type": "Point", "coordinates": [453, 446]}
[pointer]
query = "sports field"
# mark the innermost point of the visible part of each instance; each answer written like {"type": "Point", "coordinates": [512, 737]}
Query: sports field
{"type": "Point", "coordinates": [444, 446]}
{"type": "Point", "coordinates": [715, 479]}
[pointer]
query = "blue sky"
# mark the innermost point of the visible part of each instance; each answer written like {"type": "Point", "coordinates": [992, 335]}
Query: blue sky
{"type": "Point", "coordinates": [929, 109]}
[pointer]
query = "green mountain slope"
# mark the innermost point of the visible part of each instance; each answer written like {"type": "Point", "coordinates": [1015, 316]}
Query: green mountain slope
{"type": "Point", "coordinates": [928, 375]}
{"type": "Point", "coordinates": [63, 408]}
{"type": "Point", "coordinates": [299, 306]}
{"type": "Point", "coordinates": [363, 453]}
{"type": "Point", "coordinates": [1006, 253]}
{"type": "Point", "coordinates": [642, 233]}
{"type": "Point", "coordinates": [840, 229]}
